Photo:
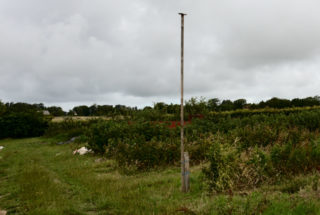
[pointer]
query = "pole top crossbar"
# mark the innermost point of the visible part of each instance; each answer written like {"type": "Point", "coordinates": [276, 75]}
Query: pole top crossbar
{"type": "Point", "coordinates": [182, 14]}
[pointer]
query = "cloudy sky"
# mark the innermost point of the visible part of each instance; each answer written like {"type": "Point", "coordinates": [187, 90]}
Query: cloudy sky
{"type": "Point", "coordinates": [72, 52]}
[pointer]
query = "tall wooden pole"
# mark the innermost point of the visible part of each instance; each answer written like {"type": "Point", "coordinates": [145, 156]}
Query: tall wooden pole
{"type": "Point", "coordinates": [183, 170]}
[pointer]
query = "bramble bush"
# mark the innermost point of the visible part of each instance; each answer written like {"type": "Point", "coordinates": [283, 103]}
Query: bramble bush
{"type": "Point", "coordinates": [268, 147]}
{"type": "Point", "coordinates": [146, 154]}
{"type": "Point", "coordinates": [223, 170]}
{"type": "Point", "coordinates": [102, 133]}
{"type": "Point", "coordinates": [232, 168]}
{"type": "Point", "coordinates": [240, 152]}
{"type": "Point", "coordinates": [141, 144]}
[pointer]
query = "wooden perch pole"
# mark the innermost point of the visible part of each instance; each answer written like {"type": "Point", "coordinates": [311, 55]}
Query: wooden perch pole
{"type": "Point", "coordinates": [184, 186]}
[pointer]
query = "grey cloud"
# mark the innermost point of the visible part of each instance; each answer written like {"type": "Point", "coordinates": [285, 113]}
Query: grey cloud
{"type": "Point", "coordinates": [80, 51]}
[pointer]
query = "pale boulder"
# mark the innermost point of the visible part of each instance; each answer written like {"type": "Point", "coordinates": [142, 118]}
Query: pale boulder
{"type": "Point", "coordinates": [83, 150]}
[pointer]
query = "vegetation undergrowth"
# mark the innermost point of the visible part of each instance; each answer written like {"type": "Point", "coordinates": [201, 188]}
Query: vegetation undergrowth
{"type": "Point", "coordinates": [39, 177]}
{"type": "Point", "coordinates": [244, 162]}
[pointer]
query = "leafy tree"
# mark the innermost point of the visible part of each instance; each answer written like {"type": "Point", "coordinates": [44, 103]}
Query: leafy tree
{"type": "Point", "coordinates": [147, 108]}
{"type": "Point", "coordinates": [104, 110]}
{"type": "Point", "coordinates": [2, 108]}
{"type": "Point", "coordinates": [120, 110]}
{"type": "Point", "coordinates": [82, 110]}
{"type": "Point", "coordinates": [311, 101]}
{"type": "Point", "coordinates": [25, 124]}
{"type": "Point", "coordinates": [39, 106]}
{"type": "Point", "coordinates": [278, 103]}
{"type": "Point", "coordinates": [296, 102]}
{"type": "Point", "coordinates": [71, 113]}
{"type": "Point", "coordinates": [239, 103]}
{"type": "Point", "coordinates": [173, 108]}
{"type": "Point", "coordinates": [56, 111]}
{"type": "Point", "coordinates": [93, 110]}
{"type": "Point", "coordinates": [21, 107]}
{"type": "Point", "coordinates": [213, 104]}
{"type": "Point", "coordinates": [226, 105]}
{"type": "Point", "coordinates": [262, 104]}
{"type": "Point", "coordinates": [196, 106]}
{"type": "Point", "coordinates": [161, 107]}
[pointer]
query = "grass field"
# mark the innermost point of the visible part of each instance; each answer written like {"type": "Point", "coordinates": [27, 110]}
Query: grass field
{"type": "Point", "coordinates": [78, 118]}
{"type": "Point", "coordinates": [39, 177]}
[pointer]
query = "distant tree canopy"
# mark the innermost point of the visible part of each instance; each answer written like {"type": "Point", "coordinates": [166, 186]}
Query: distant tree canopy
{"type": "Point", "coordinates": [82, 110]}
{"type": "Point", "coordinates": [309, 101]}
{"type": "Point", "coordinates": [193, 106]}
{"type": "Point", "coordinates": [56, 111]}
{"type": "Point", "coordinates": [2, 108]}
{"type": "Point", "coordinates": [226, 105]}
{"type": "Point", "coordinates": [201, 105]}
{"type": "Point", "coordinates": [278, 103]}
{"type": "Point", "coordinates": [22, 120]}
{"type": "Point", "coordinates": [21, 107]}
{"type": "Point", "coordinates": [213, 104]}
{"type": "Point", "coordinates": [239, 104]}
{"type": "Point", "coordinates": [102, 110]}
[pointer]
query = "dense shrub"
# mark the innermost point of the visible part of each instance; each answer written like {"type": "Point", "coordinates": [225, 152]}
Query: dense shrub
{"type": "Point", "coordinates": [307, 119]}
{"type": "Point", "coordinates": [102, 133]}
{"type": "Point", "coordinates": [68, 128]}
{"type": "Point", "coordinates": [146, 154]}
{"type": "Point", "coordinates": [143, 144]}
{"type": "Point", "coordinates": [294, 159]}
{"type": "Point", "coordinates": [268, 147]}
{"type": "Point", "coordinates": [230, 168]}
{"type": "Point", "coordinates": [265, 111]}
{"type": "Point", "coordinates": [242, 151]}
{"type": "Point", "coordinates": [198, 149]}
{"type": "Point", "coordinates": [259, 135]}
{"type": "Point", "coordinates": [223, 170]}
{"type": "Point", "coordinates": [17, 125]}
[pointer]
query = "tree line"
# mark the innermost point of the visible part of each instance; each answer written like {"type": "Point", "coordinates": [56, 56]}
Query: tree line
{"type": "Point", "coordinates": [82, 110]}
{"type": "Point", "coordinates": [192, 107]}
{"type": "Point", "coordinates": [201, 105]}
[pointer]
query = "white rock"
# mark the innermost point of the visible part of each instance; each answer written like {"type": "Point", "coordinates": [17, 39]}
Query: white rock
{"type": "Point", "coordinates": [1, 147]}
{"type": "Point", "coordinates": [82, 151]}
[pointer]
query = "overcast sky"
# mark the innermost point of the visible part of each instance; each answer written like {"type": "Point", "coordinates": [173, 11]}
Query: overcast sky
{"type": "Point", "coordinates": [72, 52]}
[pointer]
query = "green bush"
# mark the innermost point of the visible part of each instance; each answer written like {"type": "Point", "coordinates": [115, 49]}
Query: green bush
{"type": "Point", "coordinates": [146, 154]}
{"type": "Point", "coordinates": [68, 128]}
{"type": "Point", "coordinates": [100, 134]}
{"type": "Point", "coordinates": [142, 144]}
{"type": "Point", "coordinates": [198, 148]}
{"type": "Point", "coordinates": [18, 125]}
{"type": "Point", "coordinates": [258, 135]}
{"type": "Point", "coordinates": [223, 170]}
{"type": "Point", "coordinates": [294, 159]}
{"type": "Point", "coordinates": [232, 169]}
{"type": "Point", "coordinates": [275, 144]}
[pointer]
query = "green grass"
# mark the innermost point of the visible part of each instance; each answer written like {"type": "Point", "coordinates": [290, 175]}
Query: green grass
{"type": "Point", "coordinates": [40, 177]}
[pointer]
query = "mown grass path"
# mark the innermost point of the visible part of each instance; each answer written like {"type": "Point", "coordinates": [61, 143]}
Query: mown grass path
{"type": "Point", "coordinates": [40, 177]}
